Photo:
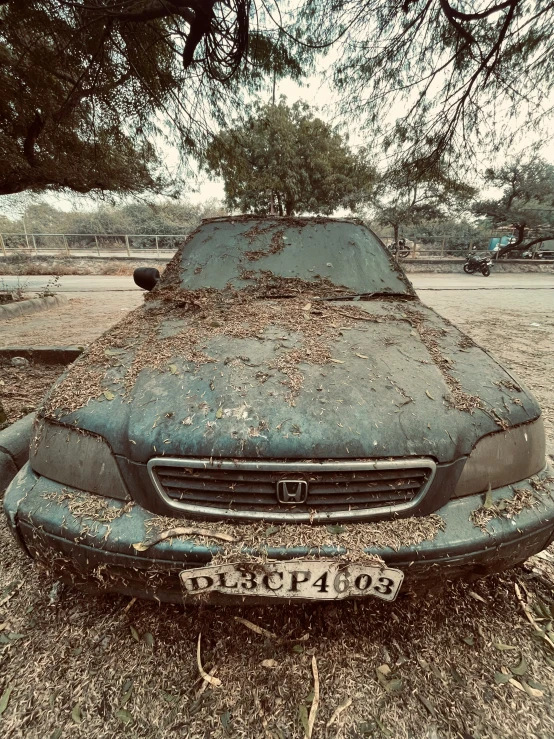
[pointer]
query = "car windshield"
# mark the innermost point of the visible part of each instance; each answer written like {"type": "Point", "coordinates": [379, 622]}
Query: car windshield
{"type": "Point", "coordinates": [236, 251]}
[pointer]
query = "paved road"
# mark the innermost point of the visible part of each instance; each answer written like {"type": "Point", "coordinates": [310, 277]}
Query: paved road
{"type": "Point", "coordinates": [422, 282]}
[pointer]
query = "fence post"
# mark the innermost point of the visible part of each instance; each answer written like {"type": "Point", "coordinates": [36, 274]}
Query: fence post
{"type": "Point", "coordinates": [97, 247]}
{"type": "Point", "coordinates": [157, 247]}
{"type": "Point", "coordinates": [26, 235]}
{"type": "Point", "coordinates": [442, 248]}
{"type": "Point", "coordinates": [127, 245]}
{"type": "Point", "coordinates": [66, 246]}
{"type": "Point", "coordinates": [3, 245]}
{"type": "Point", "coordinates": [34, 244]}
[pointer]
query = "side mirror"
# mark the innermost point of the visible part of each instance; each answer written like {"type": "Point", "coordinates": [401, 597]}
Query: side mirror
{"type": "Point", "coordinates": [146, 277]}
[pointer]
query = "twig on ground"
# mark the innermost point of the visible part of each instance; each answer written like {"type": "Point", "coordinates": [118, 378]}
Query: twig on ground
{"type": "Point", "coordinates": [7, 597]}
{"type": "Point", "coordinates": [338, 710]}
{"type": "Point", "coordinates": [142, 546]}
{"type": "Point", "coordinates": [208, 678]}
{"type": "Point", "coordinates": [265, 724]}
{"type": "Point", "coordinates": [264, 632]}
{"type": "Point", "coordinates": [528, 613]}
{"type": "Point", "coordinates": [526, 609]}
{"type": "Point", "coordinates": [315, 702]}
{"type": "Point", "coordinates": [129, 605]}
{"type": "Point", "coordinates": [256, 628]}
{"type": "Point", "coordinates": [204, 685]}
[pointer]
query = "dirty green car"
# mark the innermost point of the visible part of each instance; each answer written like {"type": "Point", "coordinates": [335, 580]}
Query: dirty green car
{"type": "Point", "coordinates": [283, 419]}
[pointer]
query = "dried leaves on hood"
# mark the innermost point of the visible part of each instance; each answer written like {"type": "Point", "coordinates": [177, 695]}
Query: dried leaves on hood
{"type": "Point", "coordinates": [113, 362]}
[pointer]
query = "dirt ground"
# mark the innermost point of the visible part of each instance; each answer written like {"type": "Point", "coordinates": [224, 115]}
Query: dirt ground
{"type": "Point", "coordinates": [79, 321]}
{"type": "Point", "coordinates": [21, 388]}
{"type": "Point", "coordinates": [472, 661]}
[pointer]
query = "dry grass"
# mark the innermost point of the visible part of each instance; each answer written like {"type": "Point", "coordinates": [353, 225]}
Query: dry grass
{"type": "Point", "coordinates": [458, 397]}
{"type": "Point", "coordinates": [505, 508]}
{"type": "Point", "coordinates": [105, 666]}
{"type": "Point", "coordinates": [96, 509]}
{"type": "Point", "coordinates": [62, 265]}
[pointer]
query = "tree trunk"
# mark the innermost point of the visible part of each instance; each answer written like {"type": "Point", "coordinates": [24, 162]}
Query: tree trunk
{"type": "Point", "coordinates": [518, 244]}
{"type": "Point", "coordinates": [280, 203]}
{"type": "Point", "coordinates": [396, 228]}
{"type": "Point", "coordinates": [289, 207]}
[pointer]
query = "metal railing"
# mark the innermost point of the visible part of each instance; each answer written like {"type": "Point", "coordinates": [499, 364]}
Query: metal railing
{"type": "Point", "coordinates": [164, 245]}
{"type": "Point", "coordinates": [425, 247]}
{"type": "Point", "coordinates": [35, 244]}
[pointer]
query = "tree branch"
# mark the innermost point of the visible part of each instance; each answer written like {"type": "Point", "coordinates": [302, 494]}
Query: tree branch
{"type": "Point", "coordinates": [32, 134]}
{"type": "Point", "coordinates": [521, 247]}
{"type": "Point", "coordinates": [479, 16]}
{"type": "Point", "coordinates": [448, 11]}
{"type": "Point", "coordinates": [185, 8]}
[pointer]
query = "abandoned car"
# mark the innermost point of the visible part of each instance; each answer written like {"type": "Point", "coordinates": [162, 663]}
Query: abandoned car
{"type": "Point", "coordinates": [282, 419]}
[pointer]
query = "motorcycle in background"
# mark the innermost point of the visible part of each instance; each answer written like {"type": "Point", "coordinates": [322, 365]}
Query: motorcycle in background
{"type": "Point", "coordinates": [399, 249]}
{"type": "Point", "coordinates": [477, 263]}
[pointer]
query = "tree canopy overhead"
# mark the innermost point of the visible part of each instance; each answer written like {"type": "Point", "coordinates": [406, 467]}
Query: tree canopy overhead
{"type": "Point", "coordinates": [286, 157]}
{"type": "Point", "coordinates": [89, 88]}
{"type": "Point", "coordinates": [470, 70]}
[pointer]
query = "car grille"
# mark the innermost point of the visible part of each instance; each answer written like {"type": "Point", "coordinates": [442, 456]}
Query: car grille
{"type": "Point", "coordinates": [247, 489]}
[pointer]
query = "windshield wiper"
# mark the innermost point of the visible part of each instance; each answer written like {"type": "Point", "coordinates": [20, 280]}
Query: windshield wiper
{"type": "Point", "coordinates": [370, 296]}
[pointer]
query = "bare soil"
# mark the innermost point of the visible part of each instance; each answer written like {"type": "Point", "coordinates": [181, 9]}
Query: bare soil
{"type": "Point", "coordinates": [471, 660]}
{"type": "Point", "coordinates": [77, 322]}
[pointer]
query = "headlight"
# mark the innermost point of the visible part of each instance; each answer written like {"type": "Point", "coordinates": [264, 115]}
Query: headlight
{"type": "Point", "coordinates": [76, 458]}
{"type": "Point", "coordinates": [504, 458]}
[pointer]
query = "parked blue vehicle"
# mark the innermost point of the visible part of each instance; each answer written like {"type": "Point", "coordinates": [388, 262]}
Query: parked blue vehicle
{"type": "Point", "coordinates": [497, 242]}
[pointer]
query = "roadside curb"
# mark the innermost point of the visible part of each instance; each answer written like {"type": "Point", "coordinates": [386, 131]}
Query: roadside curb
{"type": "Point", "coordinates": [43, 354]}
{"type": "Point", "coordinates": [445, 266]}
{"type": "Point", "coordinates": [14, 448]}
{"type": "Point", "coordinates": [33, 305]}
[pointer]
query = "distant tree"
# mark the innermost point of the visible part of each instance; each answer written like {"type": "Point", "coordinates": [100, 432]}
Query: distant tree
{"type": "Point", "coordinates": [525, 203]}
{"type": "Point", "coordinates": [461, 229]}
{"type": "Point", "coordinates": [408, 196]}
{"type": "Point", "coordinates": [41, 217]}
{"type": "Point", "coordinates": [6, 224]}
{"type": "Point", "coordinates": [169, 217]}
{"type": "Point", "coordinates": [285, 158]}
{"type": "Point", "coordinates": [89, 88]}
{"type": "Point", "coordinates": [162, 217]}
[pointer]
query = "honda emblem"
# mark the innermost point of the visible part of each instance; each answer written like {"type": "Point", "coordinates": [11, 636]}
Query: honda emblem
{"type": "Point", "coordinates": [292, 491]}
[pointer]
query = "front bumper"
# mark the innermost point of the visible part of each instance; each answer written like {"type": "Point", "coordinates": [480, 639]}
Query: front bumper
{"type": "Point", "coordinates": [90, 553]}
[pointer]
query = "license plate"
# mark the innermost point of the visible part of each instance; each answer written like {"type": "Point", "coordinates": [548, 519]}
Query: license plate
{"type": "Point", "coordinates": [311, 579]}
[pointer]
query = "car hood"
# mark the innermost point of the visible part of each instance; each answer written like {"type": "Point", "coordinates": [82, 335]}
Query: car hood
{"type": "Point", "coordinates": [405, 383]}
